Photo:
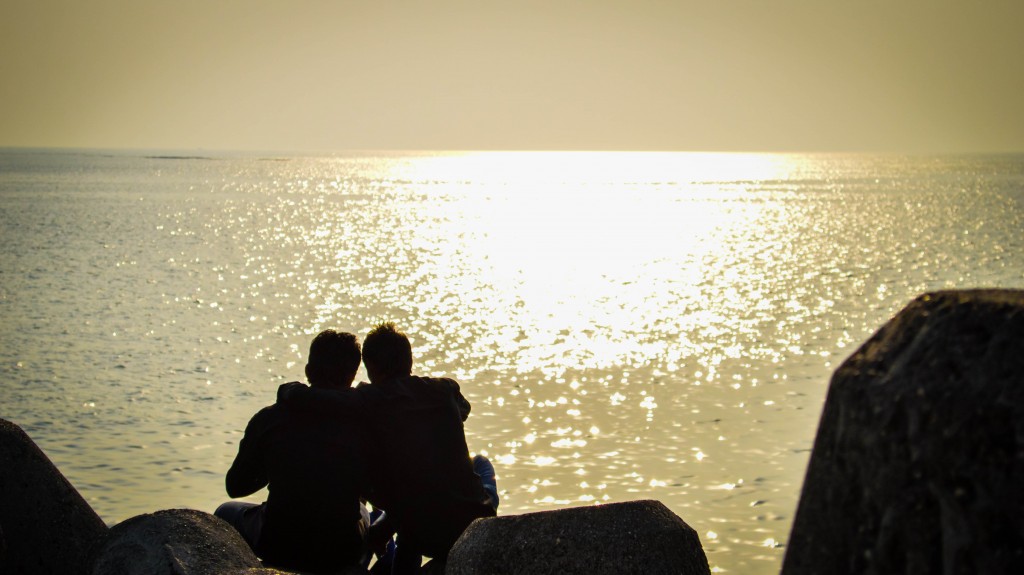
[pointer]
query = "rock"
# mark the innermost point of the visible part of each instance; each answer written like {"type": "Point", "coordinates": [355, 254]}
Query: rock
{"type": "Point", "coordinates": [174, 542]}
{"type": "Point", "coordinates": [47, 526]}
{"type": "Point", "coordinates": [272, 571]}
{"type": "Point", "coordinates": [641, 537]}
{"type": "Point", "coordinates": [919, 459]}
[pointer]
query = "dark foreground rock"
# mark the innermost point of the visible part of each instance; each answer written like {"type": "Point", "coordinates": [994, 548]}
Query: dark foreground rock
{"type": "Point", "coordinates": [47, 526]}
{"type": "Point", "coordinates": [641, 537]}
{"type": "Point", "coordinates": [179, 542]}
{"type": "Point", "coordinates": [173, 542]}
{"type": "Point", "coordinates": [918, 465]}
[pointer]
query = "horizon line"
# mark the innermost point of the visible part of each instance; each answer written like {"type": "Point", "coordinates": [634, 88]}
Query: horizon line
{"type": "Point", "coordinates": [180, 151]}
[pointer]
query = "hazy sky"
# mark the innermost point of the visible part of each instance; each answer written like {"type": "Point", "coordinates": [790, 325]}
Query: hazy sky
{"type": "Point", "coordinates": [745, 75]}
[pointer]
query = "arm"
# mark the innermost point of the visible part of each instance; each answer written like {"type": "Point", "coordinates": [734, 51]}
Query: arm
{"type": "Point", "coordinates": [247, 474]}
{"type": "Point", "coordinates": [345, 402]}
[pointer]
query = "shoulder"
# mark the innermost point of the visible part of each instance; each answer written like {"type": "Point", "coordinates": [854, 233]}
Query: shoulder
{"type": "Point", "coordinates": [436, 382]}
{"type": "Point", "coordinates": [443, 388]}
{"type": "Point", "coordinates": [368, 393]}
{"type": "Point", "coordinates": [265, 418]}
{"type": "Point", "coordinates": [268, 412]}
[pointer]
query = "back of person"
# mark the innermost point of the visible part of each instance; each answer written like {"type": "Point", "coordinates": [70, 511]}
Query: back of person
{"type": "Point", "coordinates": [316, 474]}
{"type": "Point", "coordinates": [422, 473]}
{"type": "Point", "coordinates": [314, 468]}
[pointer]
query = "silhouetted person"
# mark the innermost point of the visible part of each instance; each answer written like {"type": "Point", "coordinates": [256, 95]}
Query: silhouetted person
{"type": "Point", "coordinates": [421, 472]}
{"type": "Point", "coordinates": [314, 468]}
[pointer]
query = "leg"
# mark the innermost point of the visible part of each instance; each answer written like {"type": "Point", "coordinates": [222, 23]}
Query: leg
{"type": "Point", "coordinates": [246, 518]}
{"type": "Point", "coordinates": [380, 542]}
{"type": "Point", "coordinates": [482, 467]}
{"type": "Point", "coordinates": [407, 560]}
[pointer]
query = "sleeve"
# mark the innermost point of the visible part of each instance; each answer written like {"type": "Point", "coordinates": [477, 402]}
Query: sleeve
{"type": "Point", "coordinates": [248, 474]}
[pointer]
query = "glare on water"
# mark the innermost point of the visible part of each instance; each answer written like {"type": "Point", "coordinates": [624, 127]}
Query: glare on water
{"type": "Point", "coordinates": [626, 325]}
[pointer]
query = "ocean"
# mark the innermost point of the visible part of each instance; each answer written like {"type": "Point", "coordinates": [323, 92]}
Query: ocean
{"type": "Point", "coordinates": [626, 325]}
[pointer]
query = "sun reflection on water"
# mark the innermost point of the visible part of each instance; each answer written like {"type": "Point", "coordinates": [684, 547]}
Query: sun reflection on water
{"type": "Point", "coordinates": [579, 269]}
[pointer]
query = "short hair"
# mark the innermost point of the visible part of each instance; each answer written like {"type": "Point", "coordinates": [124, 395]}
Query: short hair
{"type": "Point", "coordinates": [388, 350]}
{"type": "Point", "coordinates": [334, 353]}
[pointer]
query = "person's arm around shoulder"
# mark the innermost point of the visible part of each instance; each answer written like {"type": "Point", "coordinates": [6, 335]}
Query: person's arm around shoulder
{"type": "Point", "coordinates": [333, 402]}
{"type": "Point", "coordinates": [248, 474]}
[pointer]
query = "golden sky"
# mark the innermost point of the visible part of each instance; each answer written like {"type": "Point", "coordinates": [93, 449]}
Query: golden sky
{"type": "Point", "coordinates": [689, 75]}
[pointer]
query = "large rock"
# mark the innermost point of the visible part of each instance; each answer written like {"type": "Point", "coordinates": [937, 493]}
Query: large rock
{"type": "Point", "coordinates": [47, 526]}
{"type": "Point", "coordinates": [918, 465]}
{"type": "Point", "coordinates": [174, 542]}
{"type": "Point", "coordinates": [641, 537]}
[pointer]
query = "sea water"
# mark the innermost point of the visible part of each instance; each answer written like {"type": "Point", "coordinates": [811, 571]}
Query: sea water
{"type": "Point", "coordinates": [626, 325]}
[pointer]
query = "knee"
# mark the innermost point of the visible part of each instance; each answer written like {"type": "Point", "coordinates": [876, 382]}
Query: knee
{"type": "Point", "coordinates": [482, 467]}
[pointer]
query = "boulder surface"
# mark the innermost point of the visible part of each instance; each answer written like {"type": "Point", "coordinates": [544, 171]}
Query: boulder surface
{"type": "Point", "coordinates": [47, 526]}
{"type": "Point", "coordinates": [918, 462]}
{"type": "Point", "coordinates": [642, 537]}
{"type": "Point", "coordinates": [173, 542]}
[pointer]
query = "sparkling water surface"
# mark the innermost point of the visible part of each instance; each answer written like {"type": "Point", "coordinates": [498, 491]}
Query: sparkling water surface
{"type": "Point", "coordinates": [626, 325]}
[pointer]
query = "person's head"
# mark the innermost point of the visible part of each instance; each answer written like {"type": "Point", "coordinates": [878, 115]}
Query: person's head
{"type": "Point", "coordinates": [387, 353]}
{"type": "Point", "coordinates": [333, 359]}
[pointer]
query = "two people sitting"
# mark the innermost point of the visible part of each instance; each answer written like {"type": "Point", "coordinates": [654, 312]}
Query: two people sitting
{"type": "Point", "coordinates": [397, 442]}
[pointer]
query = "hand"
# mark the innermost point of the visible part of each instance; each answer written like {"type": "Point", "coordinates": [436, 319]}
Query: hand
{"type": "Point", "coordinates": [286, 390]}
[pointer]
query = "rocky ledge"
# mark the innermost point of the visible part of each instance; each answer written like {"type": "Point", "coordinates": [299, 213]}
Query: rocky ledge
{"type": "Point", "coordinates": [49, 528]}
{"type": "Point", "coordinates": [641, 537]}
{"type": "Point", "coordinates": [916, 469]}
